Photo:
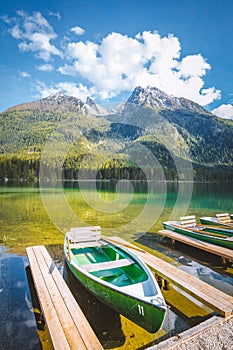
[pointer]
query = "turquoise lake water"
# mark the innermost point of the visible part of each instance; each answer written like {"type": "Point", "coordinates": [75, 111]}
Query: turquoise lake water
{"type": "Point", "coordinates": [30, 215]}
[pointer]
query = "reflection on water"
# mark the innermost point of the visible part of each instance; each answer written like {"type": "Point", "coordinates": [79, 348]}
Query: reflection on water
{"type": "Point", "coordinates": [119, 211]}
{"type": "Point", "coordinates": [24, 222]}
{"type": "Point", "coordinates": [17, 323]}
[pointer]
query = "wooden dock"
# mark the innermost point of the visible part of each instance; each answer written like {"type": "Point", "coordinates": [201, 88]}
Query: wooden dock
{"type": "Point", "coordinates": [67, 325]}
{"type": "Point", "coordinates": [225, 253]}
{"type": "Point", "coordinates": [208, 295]}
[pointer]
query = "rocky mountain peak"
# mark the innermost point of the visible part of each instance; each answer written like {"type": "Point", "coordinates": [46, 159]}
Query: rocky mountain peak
{"type": "Point", "coordinates": [59, 98]}
{"type": "Point", "coordinates": [91, 108]}
{"type": "Point", "coordinates": [156, 99]}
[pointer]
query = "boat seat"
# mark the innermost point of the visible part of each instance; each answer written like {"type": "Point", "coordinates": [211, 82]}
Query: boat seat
{"type": "Point", "coordinates": [224, 218]}
{"type": "Point", "coordinates": [88, 244]}
{"type": "Point", "coordinates": [82, 237]}
{"type": "Point", "coordinates": [105, 274]}
{"type": "Point", "coordinates": [188, 221]}
{"type": "Point", "coordinates": [200, 228]}
{"type": "Point", "coordinates": [107, 265]}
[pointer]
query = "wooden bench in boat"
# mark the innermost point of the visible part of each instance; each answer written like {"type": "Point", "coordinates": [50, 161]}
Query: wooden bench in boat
{"type": "Point", "coordinates": [82, 237]}
{"type": "Point", "coordinates": [188, 221]}
{"type": "Point", "coordinates": [67, 325]}
{"type": "Point", "coordinates": [107, 265]}
{"type": "Point", "coordinates": [224, 218]}
{"type": "Point", "coordinates": [83, 234]}
{"type": "Point", "coordinates": [212, 297]}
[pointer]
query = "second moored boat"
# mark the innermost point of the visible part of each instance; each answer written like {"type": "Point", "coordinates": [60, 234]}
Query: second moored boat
{"type": "Point", "coordinates": [188, 226]}
{"type": "Point", "coordinates": [225, 220]}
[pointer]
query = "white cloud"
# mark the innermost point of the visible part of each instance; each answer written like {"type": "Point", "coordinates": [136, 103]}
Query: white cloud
{"type": "Point", "coordinates": [24, 74]}
{"type": "Point", "coordinates": [77, 30]}
{"type": "Point", "coordinates": [35, 35]}
{"type": "Point", "coordinates": [194, 65]}
{"type": "Point", "coordinates": [224, 111]}
{"type": "Point", "coordinates": [42, 90]}
{"type": "Point", "coordinates": [55, 14]}
{"type": "Point", "coordinates": [71, 89]}
{"type": "Point", "coordinates": [119, 63]}
{"type": "Point", "coordinates": [76, 90]}
{"type": "Point", "coordinates": [45, 67]}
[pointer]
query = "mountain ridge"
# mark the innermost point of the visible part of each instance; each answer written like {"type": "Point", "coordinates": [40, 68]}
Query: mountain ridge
{"type": "Point", "coordinates": [165, 124]}
{"type": "Point", "coordinates": [150, 97]}
{"type": "Point", "coordinates": [154, 98]}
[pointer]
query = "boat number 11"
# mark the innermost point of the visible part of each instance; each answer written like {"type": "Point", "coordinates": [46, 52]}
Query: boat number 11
{"type": "Point", "coordinates": [141, 310]}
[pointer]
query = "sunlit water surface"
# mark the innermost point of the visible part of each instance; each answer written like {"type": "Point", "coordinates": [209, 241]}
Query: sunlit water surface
{"type": "Point", "coordinates": [133, 211]}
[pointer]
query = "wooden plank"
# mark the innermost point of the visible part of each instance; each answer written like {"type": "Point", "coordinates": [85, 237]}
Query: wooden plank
{"type": "Point", "coordinates": [224, 218]}
{"type": "Point", "coordinates": [67, 322]}
{"type": "Point", "coordinates": [86, 332]}
{"type": "Point", "coordinates": [84, 236]}
{"type": "Point", "coordinates": [68, 325]}
{"type": "Point", "coordinates": [107, 265]}
{"type": "Point", "coordinates": [222, 215]}
{"type": "Point", "coordinates": [192, 285]}
{"type": "Point", "coordinates": [191, 217]}
{"type": "Point", "coordinates": [188, 223]}
{"type": "Point", "coordinates": [53, 323]}
{"type": "Point", "coordinates": [202, 291]}
{"type": "Point", "coordinates": [85, 228]}
{"type": "Point", "coordinates": [208, 247]}
{"type": "Point", "coordinates": [85, 244]}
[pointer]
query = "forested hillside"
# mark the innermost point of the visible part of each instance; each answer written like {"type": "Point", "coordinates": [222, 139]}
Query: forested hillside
{"type": "Point", "coordinates": [116, 145]}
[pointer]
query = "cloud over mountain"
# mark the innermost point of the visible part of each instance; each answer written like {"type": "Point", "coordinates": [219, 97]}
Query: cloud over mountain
{"type": "Point", "coordinates": [117, 63]}
{"type": "Point", "coordinates": [224, 111]}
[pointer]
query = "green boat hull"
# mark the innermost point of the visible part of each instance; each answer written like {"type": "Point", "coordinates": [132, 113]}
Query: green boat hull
{"type": "Point", "coordinates": [142, 313]}
{"type": "Point", "coordinates": [221, 227]}
{"type": "Point", "coordinates": [223, 242]}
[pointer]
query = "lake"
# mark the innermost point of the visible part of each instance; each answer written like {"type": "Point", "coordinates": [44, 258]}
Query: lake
{"type": "Point", "coordinates": [31, 215]}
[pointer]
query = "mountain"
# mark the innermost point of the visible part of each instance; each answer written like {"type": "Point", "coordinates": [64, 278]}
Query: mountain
{"type": "Point", "coordinates": [58, 101]}
{"type": "Point", "coordinates": [91, 108]}
{"type": "Point", "coordinates": [29, 125]}
{"type": "Point", "coordinates": [168, 127]}
{"type": "Point", "coordinates": [152, 97]}
{"type": "Point", "coordinates": [180, 124]}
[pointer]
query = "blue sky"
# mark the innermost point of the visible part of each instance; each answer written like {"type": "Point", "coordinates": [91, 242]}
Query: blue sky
{"type": "Point", "coordinates": [104, 49]}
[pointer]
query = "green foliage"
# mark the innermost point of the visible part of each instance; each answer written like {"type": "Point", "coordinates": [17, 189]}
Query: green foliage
{"type": "Point", "coordinates": [103, 148]}
{"type": "Point", "coordinates": [210, 139]}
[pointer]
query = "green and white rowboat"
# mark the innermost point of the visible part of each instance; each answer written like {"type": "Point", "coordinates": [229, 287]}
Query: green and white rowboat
{"type": "Point", "coordinates": [224, 220]}
{"type": "Point", "coordinates": [187, 226]}
{"type": "Point", "coordinates": [116, 276]}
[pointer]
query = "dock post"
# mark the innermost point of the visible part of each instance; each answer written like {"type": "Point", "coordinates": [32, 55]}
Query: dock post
{"type": "Point", "coordinates": [224, 262]}
{"type": "Point", "coordinates": [173, 243]}
{"type": "Point", "coordinates": [167, 285]}
{"type": "Point", "coordinates": [160, 281]}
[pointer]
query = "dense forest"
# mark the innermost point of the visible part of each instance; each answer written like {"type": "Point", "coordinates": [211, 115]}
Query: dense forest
{"type": "Point", "coordinates": [16, 168]}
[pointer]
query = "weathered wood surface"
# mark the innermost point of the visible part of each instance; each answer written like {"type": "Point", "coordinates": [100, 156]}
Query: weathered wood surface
{"type": "Point", "coordinates": [67, 325]}
{"type": "Point", "coordinates": [107, 265]}
{"type": "Point", "coordinates": [208, 295]}
{"type": "Point", "coordinates": [208, 247]}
